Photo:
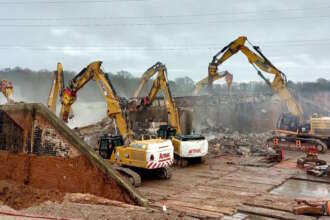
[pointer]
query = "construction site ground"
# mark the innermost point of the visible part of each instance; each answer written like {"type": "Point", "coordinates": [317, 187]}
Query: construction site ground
{"type": "Point", "coordinates": [228, 187]}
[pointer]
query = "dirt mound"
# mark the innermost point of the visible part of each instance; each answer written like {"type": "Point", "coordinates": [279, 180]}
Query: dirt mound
{"type": "Point", "coordinates": [20, 196]}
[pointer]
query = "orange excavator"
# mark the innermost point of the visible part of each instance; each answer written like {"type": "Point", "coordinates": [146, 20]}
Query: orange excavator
{"type": "Point", "coordinates": [7, 90]}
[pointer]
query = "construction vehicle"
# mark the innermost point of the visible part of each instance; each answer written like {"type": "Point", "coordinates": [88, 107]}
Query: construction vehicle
{"type": "Point", "coordinates": [186, 147]}
{"type": "Point", "coordinates": [7, 90]}
{"type": "Point", "coordinates": [208, 81]}
{"type": "Point", "coordinates": [57, 86]}
{"type": "Point", "coordinates": [130, 157]}
{"type": "Point", "coordinates": [56, 90]}
{"type": "Point", "coordinates": [291, 131]}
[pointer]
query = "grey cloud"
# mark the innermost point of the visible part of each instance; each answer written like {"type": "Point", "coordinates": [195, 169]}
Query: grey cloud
{"type": "Point", "coordinates": [298, 61]}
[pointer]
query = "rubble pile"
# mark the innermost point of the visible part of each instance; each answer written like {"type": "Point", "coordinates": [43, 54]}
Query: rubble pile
{"type": "Point", "coordinates": [210, 127]}
{"type": "Point", "coordinates": [23, 196]}
{"type": "Point", "coordinates": [141, 129]}
{"type": "Point", "coordinates": [239, 144]}
{"type": "Point", "coordinates": [91, 133]}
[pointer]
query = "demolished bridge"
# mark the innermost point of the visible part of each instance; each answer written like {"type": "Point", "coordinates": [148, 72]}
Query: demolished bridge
{"type": "Point", "coordinates": [39, 150]}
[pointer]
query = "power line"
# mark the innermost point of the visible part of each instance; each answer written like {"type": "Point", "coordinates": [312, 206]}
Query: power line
{"type": "Point", "coordinates": [283, 42]}
{"type": "Point", "coordinates": [104, 48]}
{"type": "Point", "coordinates": [163, 16]}
{"type": "Point", "coordinates": [99, 25]}
{"type": "Point", "coordinates": [321, 40]}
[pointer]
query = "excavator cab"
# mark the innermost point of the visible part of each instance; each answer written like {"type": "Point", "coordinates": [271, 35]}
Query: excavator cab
{"type": "Point", "coordinates": [166, 132]}
{"type": "Point", "coordinates": [290, 122]}
{"type": "Point", "coordinates": [192, 147]}
{"type": "Point", "coordinates": [108, 144]}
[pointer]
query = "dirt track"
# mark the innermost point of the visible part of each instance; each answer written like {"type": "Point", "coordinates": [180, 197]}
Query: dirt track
{"type": "Point", "coordinates": [221, 187]}
{"type": "Point", "coordinates": [224, 186]}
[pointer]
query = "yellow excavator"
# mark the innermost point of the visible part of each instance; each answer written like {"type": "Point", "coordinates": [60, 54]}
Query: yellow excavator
{"type": "Point", "coordinates": [291, 131]}
{"type": "Point", "coordinates": [208, 81]}
{"type": "Point", "coordinates": [186, 147]}
{"type": "Point", "coordinates": [160, 83]}
{"type": "Point", "coordinates": [56, 88]}
{"type": "Point", "coordinates": [7, 90]}
{"type": "Point", "coordinates": [132, 157]}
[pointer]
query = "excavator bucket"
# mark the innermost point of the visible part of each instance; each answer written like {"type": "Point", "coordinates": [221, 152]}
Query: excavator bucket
{"type": "Point", "coordinates": [7, 90]}
{"type": "Point", "coordinates": [229, 79]}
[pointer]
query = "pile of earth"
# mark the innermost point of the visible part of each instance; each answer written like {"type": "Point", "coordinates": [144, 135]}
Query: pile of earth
{"type": "Point", "coordinates": [19, 196]}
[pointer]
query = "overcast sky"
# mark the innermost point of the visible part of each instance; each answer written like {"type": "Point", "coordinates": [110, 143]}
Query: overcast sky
{"type": "Point", "coordinates": [133, 34]}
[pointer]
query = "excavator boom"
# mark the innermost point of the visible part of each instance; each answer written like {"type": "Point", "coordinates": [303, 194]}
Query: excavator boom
{"type": "Point", "coordinates": [145, 77]}
{"type": "Point", "coordinates": [259, 61]}
{"type": "Point", "coordinates": [56, 88]}
{"type": "Point", "coordinates": [94, 72]}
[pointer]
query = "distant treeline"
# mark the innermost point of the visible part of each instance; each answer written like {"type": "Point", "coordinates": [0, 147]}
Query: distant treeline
{"type": "Point", "coordinates": [34, 86]}
{"type": "Point", "coordinates": [300, 87]}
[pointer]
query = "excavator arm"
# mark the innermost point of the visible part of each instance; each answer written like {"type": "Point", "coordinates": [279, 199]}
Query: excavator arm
{"type": "Point", "coordinates": [7, 90]}
{"type": "Point", "coordinates": [161, 83]}
{"type": "Point", "coordinates": [259, 61]}
{"type": "Point", "coordinates": [56, 88]}
{"type": "Point", "coordinates": [145, 77]}
{"type": "Point", "coordinates": [94, 72]}
{"type": "Point", "coordinates": [210, 79]}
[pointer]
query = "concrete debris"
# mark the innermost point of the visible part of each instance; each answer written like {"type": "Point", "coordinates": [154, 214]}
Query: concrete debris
{"type": "Point", "coordinates": [240, 144]}
{"type": "Point", "coordinates": [319, 171]}
{"type": "Point", "coordinates": [208, 126]}
{"type": "Point", "coordinates": [312, 207]}
{"type": "Point", "coordinates": [91, 133]}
